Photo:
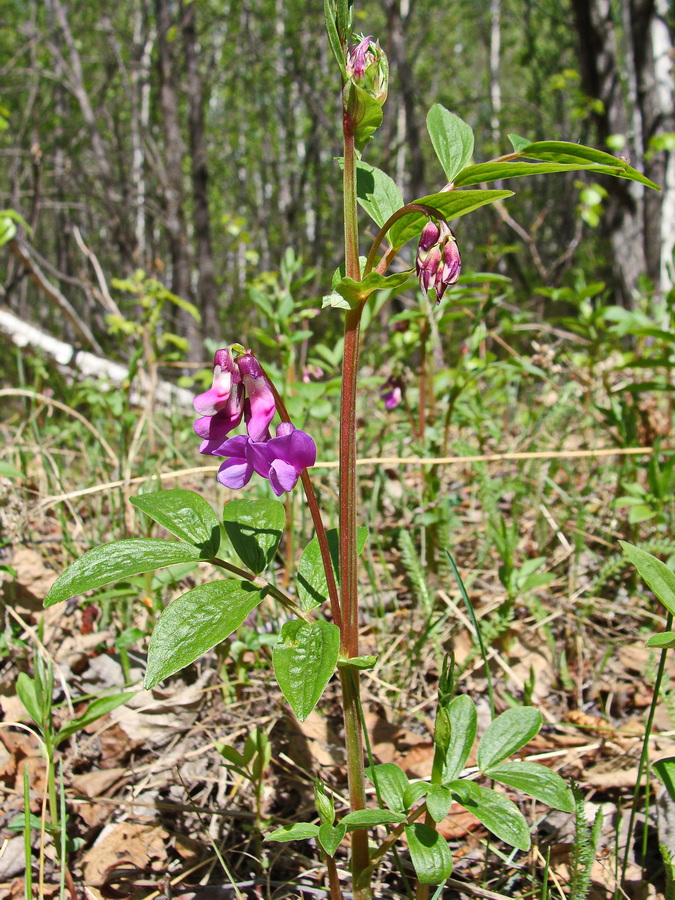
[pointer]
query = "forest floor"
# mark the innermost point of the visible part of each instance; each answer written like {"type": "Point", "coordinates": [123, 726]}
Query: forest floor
{"type": "Point", "coordinates": [154, 811]}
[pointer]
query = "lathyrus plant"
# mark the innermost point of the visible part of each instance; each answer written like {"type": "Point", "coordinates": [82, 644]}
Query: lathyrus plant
{"type": "Point", "coordinates": [322, 636]}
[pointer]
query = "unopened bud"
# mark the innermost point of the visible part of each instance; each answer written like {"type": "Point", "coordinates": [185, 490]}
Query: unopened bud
{"type": "Point", "coordinates": [438, 263]}
{"type": "Point", "coordinates": [368, 68]}
{"type": "Point", "coordinates": [325, 806]}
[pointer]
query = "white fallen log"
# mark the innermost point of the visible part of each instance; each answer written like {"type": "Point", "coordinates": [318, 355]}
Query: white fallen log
{"type": "Point", "coordinates": [88, 364]}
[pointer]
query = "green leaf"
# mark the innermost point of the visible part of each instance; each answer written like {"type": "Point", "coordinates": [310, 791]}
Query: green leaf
{"type": "Point", "coordinates": [304, 659]}
{"type": "Point", "coordinates": [255, 528]}
{"type": "Point", "coordinates": [335, 300]}
{"type": "Point", "coordinates": [415, 792]}
{"type": "Point", "coordinates": [537, 781]}
{"type": "Point", "coordinates": [366, 818]}
{"type": "Point", "coordinates": [365, 113]}
{"type": "Point", "coordinates": [356, 292]}
{"type": "Point", "coordinates": [665, 640]}
{"type": "Point", "coordinates": [463, 723]}
{"type": "Point", "coordinates": [506, 734]}
{"type": "Point", "coordinates": [334, 38]}
{"type": "Point", "coordinates": [185, 514]}
{"type": "Point", "coordinates": [439, 801]}
{"type": "Point", "coordinates": [449, 204]}
{"type": "Point", "coordinates": [7, 230]}
{"type": "Point", "coordinates": [359, 662]}
{"type": "Point", "coordinates": [25, 689]}
{"type": "Point", "coordinates": [99, 707]}
{"type": "Point", "coordinates": [655, 573]}
{"type": "Point", "coordinates": [230, 754]}
{"type": "Point", "coordinates": [377, 193]}
{"type": "Point", "coordinates": [452, 139]}
{"type": "Point", "coordinates": [118, 560]}
{"type": "Point", "coordinates": [567, 152]}
{"type": "Point", "coordinates": [495, 811]}
{"type": "Point", "coordinates": [491, 171]}
{"type": "Point", "coordinates": [518, 142]}
{"type": "Point", "coordinates": [665, 769]}
{"type": "Point", "coordinates": [196, 622]}
{"type": "Point", "coordinates": [311, 580]}
{"type": "Point", "coordinates": [7, 471]}
{"type": "Point", "coordinates": [301, 831]}
{"type": "Point", "coordinates": [392, 783]}
{"type": "Point", "coordinates": [429, 853]}
{"type": "Point", "coordinates": [330, 836]}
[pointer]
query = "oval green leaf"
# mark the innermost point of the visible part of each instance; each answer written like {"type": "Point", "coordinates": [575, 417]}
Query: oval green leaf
{"type": "Point", "coordinates": [367, 818]}
{"type": "Point", "coordinates": [304, 659]}
{"type": "Point", "coordinates": [537, 781]}
{"type": "Point", "coordinates": [664, 641]}
{"type": "Point", "coordinates": [97, 708]}
{"type": "Point", "coordinates": [665, 769]}
{"type": "Point", "coordinates": [185, 514]}
{"type": "Point", "coordinates": [508, 733]}
{"type": "Point", "coordinates": [301, 831]}
{"type": "Point", "coordinates": [429, 853]}
{"type": "Point", "coordinates": [196, 622]}
{"type": "Point", "coordinates": [329, 837]}
{"type": "Point", "coordinates": [311, 579]}
{"type": "Point", "coordinates": [255, 528]}
{"type": "Point", "coordinates": [391, 782]}
{"type": "Point", "coordinates": [377, 193]}
{"type": "Point", "coordinates": [118, 560]}
{"type": "Point", "coordinates": [463, 720]}
{"type": "Point", "coordinates": [655, 573]}
{"type": "Point", "coordinates": [439, 801]}
{"type": "Point", "coordinates": [452, 140]}
{"type": "Point", "coordinates": [495, 811]}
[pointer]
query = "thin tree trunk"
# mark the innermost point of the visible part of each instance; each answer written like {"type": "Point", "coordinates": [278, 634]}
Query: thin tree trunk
{"type": "Point", "coordinates": [174, 152]}
{"type": "Point", "coordinates": [207, 289]}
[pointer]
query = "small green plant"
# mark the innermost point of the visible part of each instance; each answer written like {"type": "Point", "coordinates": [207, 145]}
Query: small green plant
{"type": "Point", "coordinates": [321, 592]}
{"type": "Point", "coordinates": [36, 695]}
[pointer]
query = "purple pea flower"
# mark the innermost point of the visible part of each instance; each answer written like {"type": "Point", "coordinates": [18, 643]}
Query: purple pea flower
{"type": "Point", "coordinates": [225, 374]}
{"type": "Point", "coordinates": [241, 389]}
{"type": "Point", "coordinates": [259, 408]}
{"type": "Point", "coordinates": [280, 459]}
{"type": "Point", "coordinates": [283, 458]}
{"type": "Point", "coordinates": [438, 263]}
{"type": "Point", "coordinates": [391, 392]}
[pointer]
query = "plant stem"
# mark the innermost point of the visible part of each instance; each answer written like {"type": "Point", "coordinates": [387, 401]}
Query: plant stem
{"type": "Point", "coordinates": [644, 756]}
{"type": "Point", "coordinates": [349, 631]}
{"type": "Point", "coordinates": [322, 538]}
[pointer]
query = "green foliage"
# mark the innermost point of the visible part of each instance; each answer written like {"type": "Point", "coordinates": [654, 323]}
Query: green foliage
{"type": "Point", "coordinates": [117, 560]}
{"type": "Point", "coordinates": [304, 659]}
{"type": "Point", "coordinates": [255, 528]}
{"type": "Point", "coordinates": [196, 622]}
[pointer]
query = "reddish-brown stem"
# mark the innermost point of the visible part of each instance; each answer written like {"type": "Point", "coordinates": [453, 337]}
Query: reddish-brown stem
{"type": "Point", "coordinates": [312, 503]}
{"type": "Point", "coordinates": [349, 681]}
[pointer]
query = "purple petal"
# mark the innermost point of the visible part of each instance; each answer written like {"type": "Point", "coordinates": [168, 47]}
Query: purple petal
{"type": "Point", "coordinates": [296, 448]}
{"type": "Point", "coordinates": [235, 473]}
{"type": "Point", "coordinates": [260, 407]}
{"type": "Point", "coordinates": [259, 457]}
{"type": "Point", "coordinates": [283, 476]}
{"type": "Point", "coordinates": [213, 400]}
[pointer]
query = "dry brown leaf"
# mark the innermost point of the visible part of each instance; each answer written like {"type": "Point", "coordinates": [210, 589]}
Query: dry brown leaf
{"type": "Point", "coordinates": [142, 845]}
{"type": "Point", "coordinates": [32, 576]}
{"type": "Point", "coordinates": [599, 777]}
{"type": "Point", "coordinates": [97, 782]}
{"type": "Point", "coordinates": [417, 762]}
{"type": "Point", "coordinates": [313, 742]}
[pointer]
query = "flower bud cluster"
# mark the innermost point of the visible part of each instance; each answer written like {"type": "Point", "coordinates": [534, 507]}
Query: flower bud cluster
{"type": "Point", "coordinates": [367, 67]}
{"type": "Point", "coordinates": [438, 263]}
{"type": "Point", "coordinates": [240, 389]}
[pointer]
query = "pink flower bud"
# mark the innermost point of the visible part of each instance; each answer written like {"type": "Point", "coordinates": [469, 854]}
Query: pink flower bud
{"type": "Point", "coordinates": [438, 263]}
